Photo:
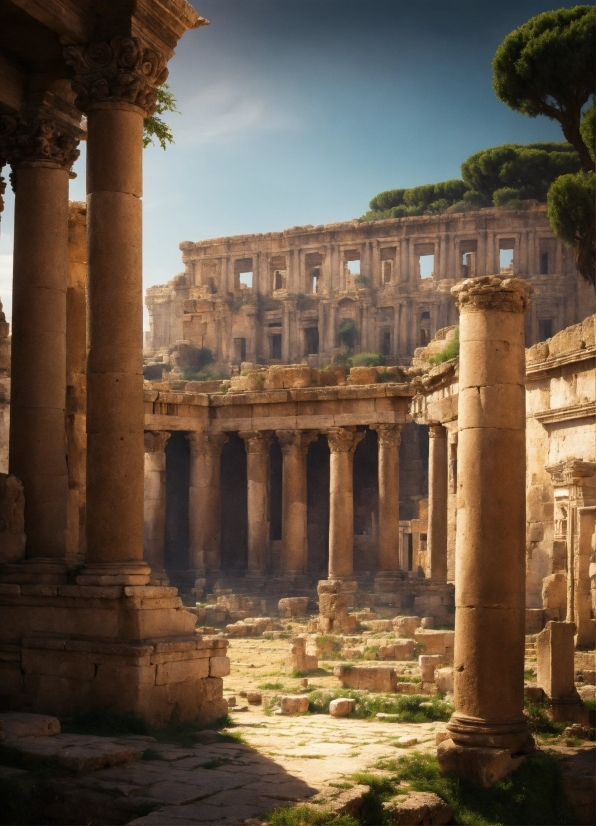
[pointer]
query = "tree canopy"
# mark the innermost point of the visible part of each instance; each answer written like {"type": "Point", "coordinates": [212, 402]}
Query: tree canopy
{"type": "Point", "coordinates": [546, 67]}
{"type": "Point", "coordinates": [572, 216]}
{"type": "Point", "coordinates": [493, 177]}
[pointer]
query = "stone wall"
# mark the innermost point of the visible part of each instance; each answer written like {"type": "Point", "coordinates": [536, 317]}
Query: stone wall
{"type": "Point", "coordinates": [280, 297]}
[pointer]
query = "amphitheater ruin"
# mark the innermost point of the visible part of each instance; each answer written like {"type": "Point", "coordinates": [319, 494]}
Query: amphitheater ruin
{"type": "Point", "coordinates": [425, 527]}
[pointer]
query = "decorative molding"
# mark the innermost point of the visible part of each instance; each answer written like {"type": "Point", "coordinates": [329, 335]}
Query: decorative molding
{"type": "Point", "coordinates": [564, 414]}
{"type": "Point", "coordinates": [489, 292]}
{"type": "Point", "coordinates": [256, 441]}
{"type": "Point", "coordinates": [571, 471]}
{"type": "Point", "coordinates": [122, 70]}
{"type": "Point", "coordinates": [202, 443]}
{"type": "Point", "coordinates": [299, 440]}
{"type": "Point", "coordinates": [36, 138]}
{"type": "Point", "coordinates": [342, 440]}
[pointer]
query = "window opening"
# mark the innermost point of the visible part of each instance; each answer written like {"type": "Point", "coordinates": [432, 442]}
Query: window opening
{"type": "Point", "coordinates": [311, 338]}
{"type": "Point", "coordinates": [386, 343]}
{"type": "Point", "coordinates": [506, 254]}
{"type": "Point", "coordinates": [387, 271]}
{"type": "Point", "coordinates": [426, 264]}
{"type": "Point", "coordinates": [424, 329]}
{"type": "Point", "coordinates": [246, 279]}
{"type": "Point", "coordinates": [544, 263]}
{"type": "Point", "coordinates": [410, 551]}
{"type": "Point", "coordinates": [278, 280]}
{"type": "Point", "coordinates": [275, 346]}
{"type": "Point", "coordinates": [423, 542]}
{"type": "Point", "coordinates": [545, 328]}
{"type": "Point", "coordinates": [240, 349]}
{"type": "Point", "coordinates": [315, 275]}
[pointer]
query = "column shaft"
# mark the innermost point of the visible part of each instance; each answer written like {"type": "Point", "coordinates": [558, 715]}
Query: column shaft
{"type": "Point", "coordinates": [342, 443]}
{"type": "Point", "coordinates": [204, 501]}
{"type": "Point", "coordinates": [437, 502]}
{"type": "Point", "coordinates": [490, 545]}
{"type": "Point", "coordinates": [155, 502]}
{"type": "Point", "coordinates": [294, 533]}
{"type": "Point", "coordinates": [257, 479]}
{"type": "Point", "coordinates": [389, 439]}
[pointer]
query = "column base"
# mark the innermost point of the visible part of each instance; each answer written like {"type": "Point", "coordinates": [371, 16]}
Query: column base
{"type": "Point", "coordinates": [159, 577]}
{"type": "Point", "coordinates": [512, 735]}
{"type": "Point", "coordinates": [129, 648]}
{"type": "Point", "coordinates": [115, 573]}
{"type": "Point", "coordinates": [35, 571]}
{"type": "Point", "coordinates": [483, 766]}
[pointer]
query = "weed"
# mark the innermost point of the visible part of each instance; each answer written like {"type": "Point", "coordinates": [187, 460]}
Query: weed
{"type": "Point", "coordinates": [341, 785]}
{"type": "Point", "coordinates": [327, 645]}
{"type": "Point", "coordinates": [272, 687]}
{"type": "Point", "coordinates": [450, 351]}
{"type": "Point", "coordinates": [410, 708]}
{"type": "Point", "coordinates": [540, 721]}
{"type": "Point", "coordinates": [533, 794]}
{"type": "Point", "coordinates": [529, 674]}
{"type": "Point", "coordinates": [305, 815]}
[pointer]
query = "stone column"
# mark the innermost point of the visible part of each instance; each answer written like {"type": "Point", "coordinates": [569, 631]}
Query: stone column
{"type": "Point", "coordinates": [389, 439]}
{"type": "Point", "coordinates": [488, 729]}
{"type": "Point", "coordinates": [115, 84]}
{"type": "Point", "coordinates": [155, 504]}
{"type": "Point", "coordinates": [294, 535]}
{"type": "Point", "coordinates": [257, 445]}
{"type": "Point", "coordinates": [41, 152]}
{"type": "Point", "coordinates": [204, 502]}
{"type": "Point", "coordinates": [342, 444]}
{"type": "Point", "coordinates": [437, 502]}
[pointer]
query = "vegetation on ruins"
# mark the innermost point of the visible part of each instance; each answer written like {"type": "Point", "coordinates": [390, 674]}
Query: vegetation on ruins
{"type": "Point", "coordinates": [155, 128]}
{"type": "Point", "coordinates": [450, 351]}
{"type": "Point", "coordinates": [367, 360]}
{"type": "Point", "coordinates": [348, 334]}
{"type": "Point", "coordinates": [404, 708]}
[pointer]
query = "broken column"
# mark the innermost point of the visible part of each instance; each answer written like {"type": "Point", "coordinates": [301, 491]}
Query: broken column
{"type": "Point", "coordinates": [257, 445]}
{"type": "Point", "coordinates": [389, 440]}
{"type": "Point", "coordinates": [204, 504]}
{"type": "Point", "coordinates": [294, 535]}
{"type": "Point", "coordinates": [437, 502]}
{"type": "Point", "coordinates": [155, 505]}
{"type": "Point", "coordinates": [489, 732]}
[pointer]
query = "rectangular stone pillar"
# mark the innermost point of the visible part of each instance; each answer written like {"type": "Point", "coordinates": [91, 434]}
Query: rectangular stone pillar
{"type": "Point", "coordinates": [437, 502]}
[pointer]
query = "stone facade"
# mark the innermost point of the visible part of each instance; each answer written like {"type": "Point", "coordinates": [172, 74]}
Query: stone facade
{"type": "Point", "coordinates": [281, 297]}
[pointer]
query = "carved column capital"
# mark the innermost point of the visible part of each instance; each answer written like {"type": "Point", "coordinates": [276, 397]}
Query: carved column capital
{"type": "Point", "coordinates": [389, 435]}
{"type": "Point", "coordinates": [256, 441]}
{"type": "Point", "coordinates": [489, 292]}
{"type": "Point", "coordinates": [437, 431]}
{"type": "Point", "coordinates": [35, 139]}
{"type": "Point", "coordinates": [295, 440]}
{"type": "Point", "coordinates": [343, 439]}
{"type": "Point", "coordinates": [123, 70]}
{"type": "Point", "coordinates": [202, 443]}
{"type": "Point", "coordinates": [156, 440]}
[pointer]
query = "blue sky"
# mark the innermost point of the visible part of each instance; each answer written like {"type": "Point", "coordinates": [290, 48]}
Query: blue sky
{"type": "Point", "coordinates": [299, 111]}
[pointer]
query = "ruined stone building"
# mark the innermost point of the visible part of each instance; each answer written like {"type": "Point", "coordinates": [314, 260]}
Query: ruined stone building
{"type": "Point", "coordinates": [282, 297]}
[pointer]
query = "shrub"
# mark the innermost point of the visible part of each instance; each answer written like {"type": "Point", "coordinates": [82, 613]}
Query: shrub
{"type": "Point", "coordinates": [367, 360]}
{"type": "Point", "coordinates": [450, 351]}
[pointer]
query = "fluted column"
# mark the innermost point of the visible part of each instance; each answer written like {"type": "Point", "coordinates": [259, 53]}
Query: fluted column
{"type": "Point", "coordinates": [294, 535]}
{"type": "Point", "coordinates": [389, 440]}
{"type": "Point", "coordinates": [115, 83]}
{"type": "Point", "coordinates": [257, 445]}
{"type": "Point", "coordinates": [155, 504]}
{"type": "Point", "coordinates": [41, 152]}
{"type": "Point", "coordinates": [489, 720]}
{"type": "Point", "coordinates": [204, 502]}
{"type": "Point", "coordinates": [342, 444]}
{"type": "Point", "coordinates": [437, 502]}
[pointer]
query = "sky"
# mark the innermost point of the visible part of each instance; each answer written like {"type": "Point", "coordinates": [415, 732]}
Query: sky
{"type": "Point", "coordinates": [298, 112]}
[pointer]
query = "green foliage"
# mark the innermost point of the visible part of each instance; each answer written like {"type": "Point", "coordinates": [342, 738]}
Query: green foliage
{"type": "Point", "coordinates": [502, 173]}
{"type": "Point", "coordinates": [418, 199]}
{"type": "Point", "coordinates": [272, 687]}
{"type": "Point", "coordinates": [572, 217]}
{"type": "Point", "coordinates": [546, 67]}
{"type": "Point", "coordinates": [305, 815]}
{"type": "Point", "coordinates": [234, 302]}
{"type": "Point", "coordinates": [213, 372]}
{"type": "Point", "coordinates": [407, 708]}
{"type": "Point", "coordinates": [588, 129]}
{"type": "Point", "coordinates": [540, 721]}
{"type": "Point", "coordinates": [450, 351]}
{"type": "Point", "coordinates": [155, 128]}
{"type": "Point", "coordinates": [367, 360]}
{"type": "Point", "coordinates": [362, 281]}
{"type": "Point", "coordinates": [348, 333]}
{"type": "Point", "coordinates": [533, 794]}
{"type": "Point", "coordinates": [328, 645]}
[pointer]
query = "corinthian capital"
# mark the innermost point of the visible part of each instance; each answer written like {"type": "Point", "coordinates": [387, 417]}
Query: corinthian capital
{"type": "Point", "coordinates": [256, 441]}
{"type": "Point", "coordinates": [121, 70]}
{"type": "Point", "coordinates": [343, 439]}
{"type": "Point", "coordinates": [35, 138]}
{"type": "Point", "coordinates": [389, 434]}
{"type": "Point", "coordinates": [202, 444]}
{"type": "Point", "coordinates": [156, 440]}
{"type": "Point", "coordinates": [295, 440]}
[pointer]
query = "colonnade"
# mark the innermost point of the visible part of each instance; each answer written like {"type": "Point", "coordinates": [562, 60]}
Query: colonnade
{"type": "Point", "coordinates": [205, 502]}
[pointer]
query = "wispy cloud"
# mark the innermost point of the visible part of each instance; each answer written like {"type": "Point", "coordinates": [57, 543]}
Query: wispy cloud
{"type": "Point", "coordinates": [226, 110]}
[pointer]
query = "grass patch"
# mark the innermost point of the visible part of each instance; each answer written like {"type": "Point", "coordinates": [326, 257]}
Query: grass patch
{"type": "Point", "coordinates": [272, 687]}
{"type": "Point", "coordinates": [305, 815]}
{"type": "Point", "coordinates": [106, 722]}
{"type": "Point", "coordinates": [529, 674]}
{"type": "Point", "coordinates": [328, 646]}
{"type": "Point", "coordinates": [541, 723]}
{"type": "Point", "coordinates": [408, 708]}
{"type": "Point", "coordinates": [450, 351]}
{"type": "Point", "coordinates": [533, 794]}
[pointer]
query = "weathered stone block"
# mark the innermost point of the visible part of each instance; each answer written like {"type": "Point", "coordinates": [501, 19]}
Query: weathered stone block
{"type": "Point", "coordinates": [418, 808]}
{"type": "Point", "coordinates": [294, 704]}
{"type": "Point", "coordinates": [183, 670]}
{"type": "Point", "coordinates": [444, 680]}
{"type": "Point", "coordinates": [406, 626]}
{"type": "Point", "coordinates": [554, 652]}
{"type": "Point", "coordinates": [380, 679]}
{"type": "Point", "coordinates": [219, 666]}
{"type": "Point", "coordinates": [342, 706]}
{"type": "Point", "coordinates": [292, 607]}
{"type": "Point", "coordinates": [18, 724]}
